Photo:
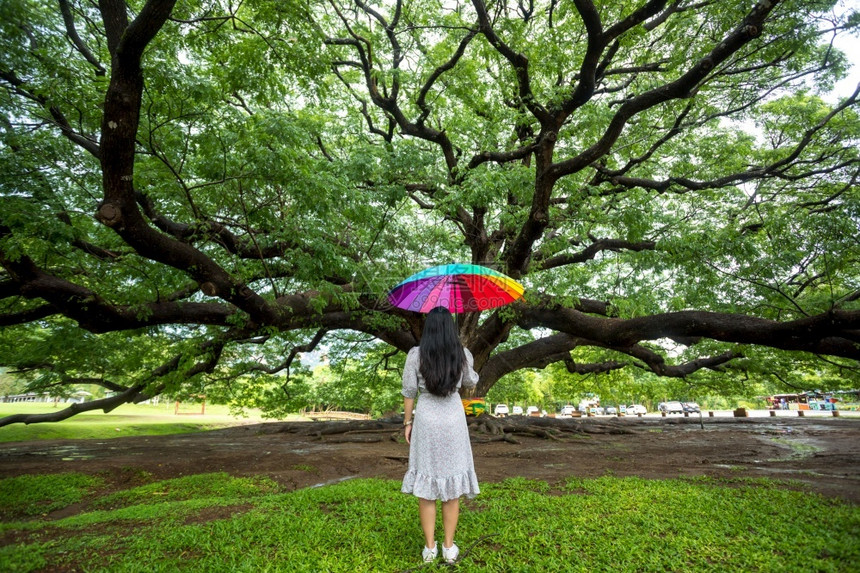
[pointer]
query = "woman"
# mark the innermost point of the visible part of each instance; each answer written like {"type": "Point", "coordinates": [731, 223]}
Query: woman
{"type": "Point", "coordinates": [440, 455]}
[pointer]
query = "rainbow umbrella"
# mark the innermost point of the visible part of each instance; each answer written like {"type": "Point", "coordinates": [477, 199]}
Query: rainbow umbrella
{"type": "Point", "coordinates": [458, 287]}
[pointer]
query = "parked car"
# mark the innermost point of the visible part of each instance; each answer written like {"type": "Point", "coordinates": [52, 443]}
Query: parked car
{"type": "Point", "coordinates": [636, 409]}
{"type": "Point", "coordinates": [567, 410]}
{"type": "Point", "coordinates": [597, 410]}
{"type": "Point", "coordinates": [517, 411]}
{"type": "Point", "coordinates": [531, 410]}
{"type": "Point", "coordinates": [622, 409]}
{"type": "Point", "coordinates": [691, 407]}
{"type": "Point", "coordinates": [672, 407]}
{"type": "Point", "coordinates": [501, 410]}
{"type": "Point", "coordinates": [588, 406]}
{"type": "Point", "coordinates": [611, 411]}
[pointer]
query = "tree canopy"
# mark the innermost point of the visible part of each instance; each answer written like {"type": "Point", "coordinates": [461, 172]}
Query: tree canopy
{"type": "Point", "coordinates": [195, 192]}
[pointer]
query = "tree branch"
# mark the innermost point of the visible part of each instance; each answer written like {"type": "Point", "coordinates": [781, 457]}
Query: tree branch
{"type": "Point", "coordinates": [30, 315]}
{"type": "Point", "coordinates": [591, 251]}
{"type": "Point", "coordinates": [830, 333]}
{"type": "Point", "coordinates": [749, 29]}
{"type": "Point", "coordinates": [72, 33]}
{"type": "Point", "coordinates": [518, 62]}
{"type": "Point", "coordinates": [104, 404]}
{"type": "Point", "coordinates": [657, 364]}
{"type": "Point", "coordinates": [92, 311]}
{"type": "Point", "coordinates": [59, 119]}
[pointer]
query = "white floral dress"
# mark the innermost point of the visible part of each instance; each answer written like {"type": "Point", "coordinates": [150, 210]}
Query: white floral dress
{"type": "Point", "coordinates": [440, 455]}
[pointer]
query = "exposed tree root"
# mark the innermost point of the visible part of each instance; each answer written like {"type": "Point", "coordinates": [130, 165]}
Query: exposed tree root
{"type": "Point", "coordinates": [548, 428]}
{"type": "Point", "coordinates": [364, 439]}
{"type": "Point", "coordinates": [502, 438]}
{"type": "Point", "coordinates": [482, 429]}
{"type": "Point", "coordinates": [346, 426]}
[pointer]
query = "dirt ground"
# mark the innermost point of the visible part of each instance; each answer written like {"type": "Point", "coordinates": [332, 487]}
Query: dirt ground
{"type": "Point", "coordinates": [822, 453]}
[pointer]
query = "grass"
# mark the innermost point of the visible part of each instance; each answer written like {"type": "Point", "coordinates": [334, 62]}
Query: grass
{"type": "Point", "coordinates": [126, 420]}
{"type": "Point", "coordinates": [799, 449]}
{"type": "Point", "coordinates": [215, 522]}
{"type": "Point", "coordinates": [35, 495]}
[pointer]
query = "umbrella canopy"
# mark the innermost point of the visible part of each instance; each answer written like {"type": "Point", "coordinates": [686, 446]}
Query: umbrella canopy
{"type": "Point", "coordinates": [457, 287]}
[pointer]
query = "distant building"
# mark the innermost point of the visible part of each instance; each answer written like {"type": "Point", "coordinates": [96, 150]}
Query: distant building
{"type": "Point", "coordinates": [79, 397]}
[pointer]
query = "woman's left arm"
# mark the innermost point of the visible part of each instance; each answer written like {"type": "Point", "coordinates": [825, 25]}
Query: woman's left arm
{"type": "Point", "coordinates": [408, 405]}
{"type": "Point", "coordinates": [470, 377]}
{"type": "Point", "coordinates": [409, 391]}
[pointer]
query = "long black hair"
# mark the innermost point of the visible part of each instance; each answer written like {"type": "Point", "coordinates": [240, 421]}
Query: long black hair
{"type": "Point", "coordinates": [442, 357]}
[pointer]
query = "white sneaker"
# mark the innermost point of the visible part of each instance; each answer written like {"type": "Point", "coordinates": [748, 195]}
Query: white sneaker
{"type": "Point", "coordinates": [430, 554]}
{"type": "Point", "coordinates": [450, 554]}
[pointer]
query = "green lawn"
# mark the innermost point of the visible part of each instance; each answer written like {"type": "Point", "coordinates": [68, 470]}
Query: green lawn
{"type": "Point", "coordinates": [126, 420]}
{"type": "Point", "coordinates": [214, 522]}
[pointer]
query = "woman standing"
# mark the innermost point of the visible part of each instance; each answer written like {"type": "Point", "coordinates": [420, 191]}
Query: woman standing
{"type": "Point", "coordinates": [440, 455]}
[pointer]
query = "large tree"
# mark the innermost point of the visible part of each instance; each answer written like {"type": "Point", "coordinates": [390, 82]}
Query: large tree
{"type": "Point", "coordinates": [194, 192]}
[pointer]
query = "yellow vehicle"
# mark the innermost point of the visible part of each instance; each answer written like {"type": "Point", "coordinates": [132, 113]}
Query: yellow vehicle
{"type": "Point", "coordinates": [475, 406]}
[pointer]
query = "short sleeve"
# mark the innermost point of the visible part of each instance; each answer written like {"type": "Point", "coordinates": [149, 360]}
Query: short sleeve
{"type": "Point", "coordinates": [470, 377]}
{"type": "Point", "coordinates": [410, 374]}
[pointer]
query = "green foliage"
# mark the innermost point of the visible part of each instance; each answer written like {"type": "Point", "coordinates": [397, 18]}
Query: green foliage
{"type": "Point", "coordinates": [80, 357]}
{"type": "Point", "coordinates": [367, 525]}
{"type": "Point", "coordinates": [364, 378]}
{"type": "Point", "coordinates": [11, 384]}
